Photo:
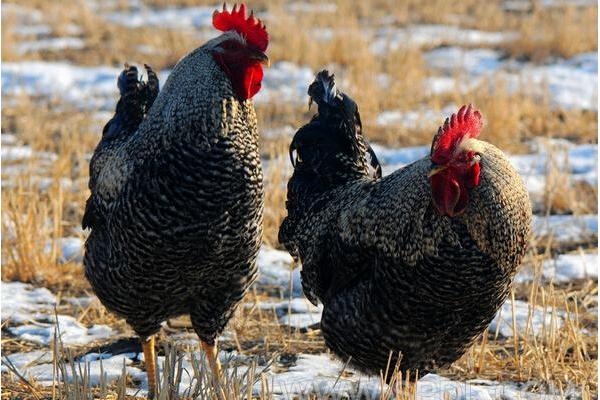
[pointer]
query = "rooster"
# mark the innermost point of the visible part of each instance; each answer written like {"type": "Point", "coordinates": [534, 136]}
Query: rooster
{"type": "Point", "coordinates": [413, 265]}
{"type": "Point", "coordinates": [176, 190]}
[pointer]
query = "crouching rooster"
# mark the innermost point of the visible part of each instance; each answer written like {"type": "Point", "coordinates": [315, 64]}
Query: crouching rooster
{"type": "Point", "coordinates": [177, 198]}
{"type": "Point", "coordinates": [414, 264]}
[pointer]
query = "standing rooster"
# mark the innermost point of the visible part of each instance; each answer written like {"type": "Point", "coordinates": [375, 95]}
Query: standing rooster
{"type": "Point", "coordinates": [415, 263]}
{"type": "Point", "coordinates": [177, 198]}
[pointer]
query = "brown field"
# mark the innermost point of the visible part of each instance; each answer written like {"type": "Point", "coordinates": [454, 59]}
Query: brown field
{"type": "Point", "coordinates": [32, 215]}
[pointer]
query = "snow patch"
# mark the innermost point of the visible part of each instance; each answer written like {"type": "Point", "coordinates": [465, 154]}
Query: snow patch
{"type": "Point", "coordinates": [275, 270]}
{"type": "Point", "coordinates": [96, 87]}
{"type": "Point", "coordinates": [8, 139]}
{"type": "Point", "coordinates": [171, 17]}
{"type": "Point", "coordinates": [22, 302]}
{"type": "Point", "coordinates": [52, 44]}
{"type": "Point", "coordinates": [34, 307]}
{"type": "Point", "coordinates": [71, 331]}
{"type": "Point", "coordinates": [565, 268]}
{"type": "Point", "coordinates": [32, 30]}
{"type": "Point", "coordinates": [111, 368]}
{"type": "Point", "coordinates": [435, 387]}
{"type": "Point", "coordinates": [300, 321]}
{"type": "Point", "coordinates": [401, 156]}
{"type": "Point", "coordinates": [527, 5]}
{"type": "Point", "coordinates": [566, 228]}
{"type": "Point", "coordinates": [16, 153]}
{"type": "Point", "coordinates": [285, 82]}
{"type": "Point", "coordinates": [302, 7]}
{"type": "Point", "coordinates": [70, 249]}
{"type": "Point", "coordinates": [22, 361]}
{"type": "Point", "coordinates": [22, 14]}
{"type": "Point", "coordinates": [86, 87]}
{"type": "Point", "coordinates": [423, 119]}
{"type": "Point", "coordinates": [569, 267]}
{"type": "Point", "coordinates": [571, 83]}
{"type": "Point", "coordinates": [21, 153]}
{"type": "Point", "coordinates": [391, 38]}
{"type": "Point", "coordinates": [279, 132]}
{"type": "Point", "coordinates": [473, 62]}
{"type": "Point", "coordinates": [296, 305]}
{"type": "Point", "coordinates": [296, 312]}
{"type": "Point", "coordinates": [528, 318]}
{"type": "Point", "coordinates": [317, 374]}
{"type": "Point", "coordinates": [91, 87]}
{"type": "Point", "coordinates": [82, 302]}
{"type": "Point", "coordinates": [579, 162]}
{"type": "Point", "coordinates": [321, 375]}
{"type": "Point", "coordinates": [436, 85]}
{"type": "Point", "coordinates": [308, 374]}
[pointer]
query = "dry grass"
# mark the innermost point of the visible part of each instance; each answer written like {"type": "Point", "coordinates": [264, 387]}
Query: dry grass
{"type": "Point", "coordinates": [563, 32]}
{"type": "Point", "coordinates": [564, 359]}
{"type": "Point", "coordinates": [34, 215]}
{"type": "Point", "coordinates": [561, 196]}
{"type": "Point", "coordinates": [561, 359]}
{"type": "Point", "coordinates": [512, 118]}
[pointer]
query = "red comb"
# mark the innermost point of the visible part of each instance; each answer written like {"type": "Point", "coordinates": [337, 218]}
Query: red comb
{"type": "Point", "coordinates": [467, 122]}
{"type": "Point", "coordinates": [250, 28]}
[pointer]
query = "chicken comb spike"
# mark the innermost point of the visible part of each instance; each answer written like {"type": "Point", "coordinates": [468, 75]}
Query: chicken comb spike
{"type": "Point", "coordinates": [466, 123]}
{"type": "Point", "coordinates": [249, 27]}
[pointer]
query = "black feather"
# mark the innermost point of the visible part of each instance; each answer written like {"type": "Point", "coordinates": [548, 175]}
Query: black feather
{"type": "Point", "coordinates": [323, 91]}
{"type": "Point", "coordinates": [136, 99]}
{"type": "Point", "coordinates": [331, 145]}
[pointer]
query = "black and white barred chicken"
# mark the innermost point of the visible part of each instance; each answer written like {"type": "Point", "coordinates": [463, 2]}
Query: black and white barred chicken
{"type": "Point", "coordinates": [414, 264]}
{"type": "Point", "coordinates": [176, 199]}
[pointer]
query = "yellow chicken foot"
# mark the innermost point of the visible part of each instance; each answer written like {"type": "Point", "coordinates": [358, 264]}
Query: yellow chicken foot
{"type": "Point", "coordinates": [212, 355]}
{"type": "Point", "coordinates": [150, 361]}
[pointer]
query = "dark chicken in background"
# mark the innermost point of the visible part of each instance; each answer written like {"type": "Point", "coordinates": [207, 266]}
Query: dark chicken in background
{"type": "Point", "coordinates": [415, 263]}
{"type": "Point", "coordinates": [176, 199]}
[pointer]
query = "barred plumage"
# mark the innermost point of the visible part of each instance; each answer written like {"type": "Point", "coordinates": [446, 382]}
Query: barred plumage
{"type": "Point", "coordinates": [181, 200]}
{"type": "Point", "coordinates": [392, 273]}
{"type": "Point", "coordinates": [177, 202]}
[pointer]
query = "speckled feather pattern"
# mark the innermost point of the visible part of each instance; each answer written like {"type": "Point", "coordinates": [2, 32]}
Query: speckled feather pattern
{"type": "Point", "coordinates": [180, 204]}
{"type": "Point", "coordinates": [394, 275]}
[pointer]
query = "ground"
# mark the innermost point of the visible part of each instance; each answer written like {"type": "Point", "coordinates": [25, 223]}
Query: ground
{"type": "Point", "coordinates": [529, 66]}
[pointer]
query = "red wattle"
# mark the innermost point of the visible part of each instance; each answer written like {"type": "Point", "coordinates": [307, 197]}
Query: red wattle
{"type": "Point", "coordinates": [473, 176]}
{"type": "Point", "coordinates": [449, 193]}
{"type": "Point", "coordinates": [445, 192]}
{"type": "Point", "coordinates": [252, 80]}
{"type": "Point", "coordinates": [245, 77]}
{"type": "Point", "coordinates": [463, 199]}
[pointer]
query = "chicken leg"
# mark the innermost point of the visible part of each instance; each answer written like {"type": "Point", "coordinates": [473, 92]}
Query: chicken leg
{"type": "Point", "coordinates": [212, 355]}
{"type": "Point", "coordinates": [150, 361]}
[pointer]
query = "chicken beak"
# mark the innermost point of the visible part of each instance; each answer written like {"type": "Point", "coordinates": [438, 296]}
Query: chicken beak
{"type": "Point", "coordinates": [436, 170]}
{"type": "Point", "coordinates": [261, 58]}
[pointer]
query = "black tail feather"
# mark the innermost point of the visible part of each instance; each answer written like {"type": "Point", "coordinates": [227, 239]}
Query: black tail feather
{"type": "Point", "coordinates": [374, 162]}
{"type": "Point", "coordinates": [151, 87]}
{"type": "Point", "coordinates": [339, 112]}
{"type": "Point", "coordinates": [128, 80]}
{"type": "Point", "coordinates": [136, 99]}
{"type": "Point", "coordinates": [323, 91]}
